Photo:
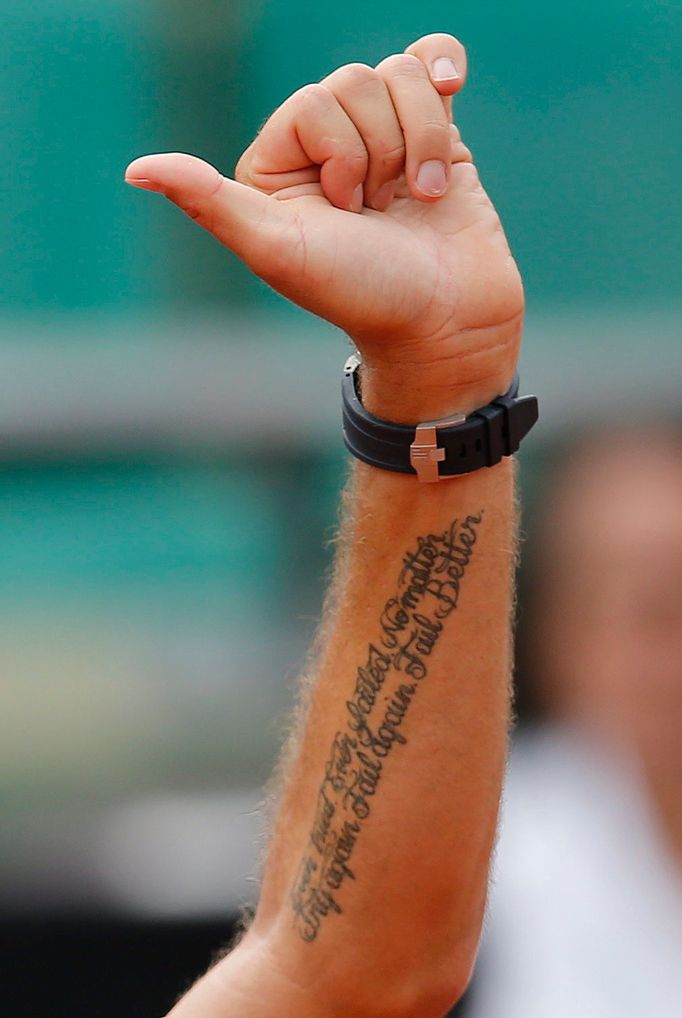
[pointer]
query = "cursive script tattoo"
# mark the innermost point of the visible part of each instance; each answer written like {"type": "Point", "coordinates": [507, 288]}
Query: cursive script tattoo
{"type": "Point", "coordinates": [395, 665]}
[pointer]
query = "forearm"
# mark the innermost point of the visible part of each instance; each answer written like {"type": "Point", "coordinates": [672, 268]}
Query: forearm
{"type": "Point", "coordinates": [377, 867]}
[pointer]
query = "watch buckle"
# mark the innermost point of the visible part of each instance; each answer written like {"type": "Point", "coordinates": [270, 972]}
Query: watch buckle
{"type": "Point", "coordinates": [425, 453]}
{"type": "Point", "coordinates": [352, 363]}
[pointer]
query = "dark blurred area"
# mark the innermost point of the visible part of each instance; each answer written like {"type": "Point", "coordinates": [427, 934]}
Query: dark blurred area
{"type": "Point", "coordinates": [170, 461]}
{"type": "Point", "coordinates": [103, 966]}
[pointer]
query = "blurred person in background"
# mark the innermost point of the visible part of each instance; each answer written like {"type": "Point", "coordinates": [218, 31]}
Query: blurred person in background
{"type": "Point", "coordinates": [586, 907]}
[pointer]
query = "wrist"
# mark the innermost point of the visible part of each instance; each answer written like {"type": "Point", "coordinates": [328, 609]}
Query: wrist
{"type": "Point", "coordinates": [409, 394]}
{"type": "Point", "coordinates": [408, 389]}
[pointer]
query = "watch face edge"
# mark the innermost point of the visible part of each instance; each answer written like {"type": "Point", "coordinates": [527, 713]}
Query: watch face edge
{"type": "Point", "coordinates": [353, 362]}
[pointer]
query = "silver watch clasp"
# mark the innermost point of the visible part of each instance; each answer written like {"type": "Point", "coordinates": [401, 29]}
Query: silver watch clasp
{"type": "Point", "coordinates": [425, 453]}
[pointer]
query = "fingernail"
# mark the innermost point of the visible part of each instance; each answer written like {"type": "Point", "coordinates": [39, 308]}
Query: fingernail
{"type": "Point", "coordinates": [432, 178]}
{"type": "Point", "coordinates": [384, 196]}
{"type": "Point", "coordinates": [143, 182]}
{"type": "Point", "coordinates": [356, 203]}
{"type": "Point", "coordinates": [443, 69]}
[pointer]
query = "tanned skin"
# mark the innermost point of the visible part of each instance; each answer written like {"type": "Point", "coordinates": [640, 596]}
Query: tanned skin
{"type": "Point", "coordinates": [374, 882]}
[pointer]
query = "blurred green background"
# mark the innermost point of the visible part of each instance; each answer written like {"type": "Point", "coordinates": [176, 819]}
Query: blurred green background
{"type": "Point", "coordinates": [170, 454]}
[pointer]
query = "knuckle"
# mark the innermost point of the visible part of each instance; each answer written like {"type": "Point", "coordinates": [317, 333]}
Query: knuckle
{"type": "Point", "coordinates": [357, 159]}
{"type": "Point", "coordinates": [435, 125]}
{"type": "Point", "coordinates": [393, 154]}
{"type": "Point", "coordinates": [355, 75]}
{"type": "Point", "coordinates": [388, 156]}
{"type": "Point", "coordinates": [402, 65]}
{"type": "Point", "coordinates": [313, 94]}
{"type": "Point", "coordinates": [436, 132]}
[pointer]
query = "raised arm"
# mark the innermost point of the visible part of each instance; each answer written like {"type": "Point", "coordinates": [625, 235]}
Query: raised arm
{"type": "Point", "coordinates": [359, 201]}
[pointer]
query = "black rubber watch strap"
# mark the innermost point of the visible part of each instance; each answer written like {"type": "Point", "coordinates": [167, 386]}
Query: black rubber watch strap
{"type": "Point", "coordinates": [436, 449]}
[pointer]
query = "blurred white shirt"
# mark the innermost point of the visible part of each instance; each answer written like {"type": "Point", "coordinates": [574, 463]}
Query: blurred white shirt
{"type": "Point", "coordinates": [585, 915]}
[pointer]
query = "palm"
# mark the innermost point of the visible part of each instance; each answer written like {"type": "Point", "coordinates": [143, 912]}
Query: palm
{"type": "Point", "coordinates": [418, 271]}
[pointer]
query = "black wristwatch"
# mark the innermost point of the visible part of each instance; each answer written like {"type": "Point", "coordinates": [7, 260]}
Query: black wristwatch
{"type": "Point", "coordinates": [435, 450]}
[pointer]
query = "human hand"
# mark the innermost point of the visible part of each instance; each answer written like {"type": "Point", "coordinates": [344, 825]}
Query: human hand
{"type": "Point", "coordinates": [329, 208]}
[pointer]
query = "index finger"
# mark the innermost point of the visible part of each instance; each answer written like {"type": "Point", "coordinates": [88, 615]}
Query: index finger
{"type": "Point", "coordinates": [445, 60]}
{"type": "Point", "coordinates": [308, 138]}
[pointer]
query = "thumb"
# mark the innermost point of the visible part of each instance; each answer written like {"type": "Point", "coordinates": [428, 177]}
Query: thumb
{"type": "Point", "coordinates": [247, 221]}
